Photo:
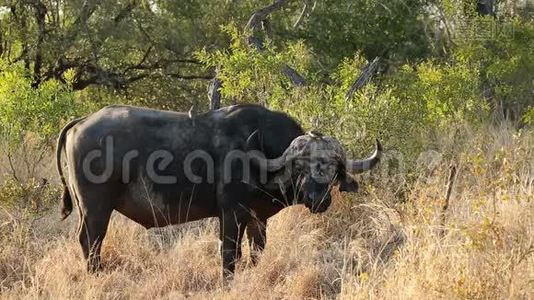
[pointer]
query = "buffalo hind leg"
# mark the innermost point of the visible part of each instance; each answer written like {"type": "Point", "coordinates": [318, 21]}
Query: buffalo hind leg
{"type": "Point", "coordinates": [91, 234]}
{"type": "Point", "coordinates": [256, 235]}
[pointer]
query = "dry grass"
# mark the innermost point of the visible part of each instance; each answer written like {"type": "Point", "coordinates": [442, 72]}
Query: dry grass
{"type": "Point", "coordinates": [386, 242]}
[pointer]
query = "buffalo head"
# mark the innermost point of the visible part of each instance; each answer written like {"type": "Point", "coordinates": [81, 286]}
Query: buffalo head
{"type": "Point", "coordinates": [317, 163]}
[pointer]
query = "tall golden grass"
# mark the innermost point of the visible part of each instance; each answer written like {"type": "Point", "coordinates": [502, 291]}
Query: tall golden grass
{"type": "Point", "coordinates": [392, 240]}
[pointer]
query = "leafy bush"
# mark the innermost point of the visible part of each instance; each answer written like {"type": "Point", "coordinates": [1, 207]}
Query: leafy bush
{"type": "Point", "coordinates": [250, 76]}
{"type": "Point", "coordinates": [30, 118]}
{"type": "Point", "coordinates": [26, 110]}
{"type": "Point", "coordinates": [33, 196]}
{"type": "Point", "coordinates": [505, 56]}
{"type": "Point", "coordinates": [398, 107]}
{"type": "Point", "coordinates": [528, 117]}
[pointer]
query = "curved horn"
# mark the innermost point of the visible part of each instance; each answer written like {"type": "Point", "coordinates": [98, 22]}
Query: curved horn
{"type": "Point", "coordinates": [253, 140]}
{"type": "Point", "coordinates": [276, 164]}
{"type": "Point", "coordinates": [258, 159]}
{"type": "Point", "coordinates": [359, 166]}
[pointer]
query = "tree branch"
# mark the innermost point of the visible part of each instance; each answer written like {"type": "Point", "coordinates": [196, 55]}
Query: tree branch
{"type": "Point", "coordinates": [189, 77]}
{"type": "Point", "coordinates": [302, 14]}
{"type": "Point", "coordinates": [145, 56]}
{"type": "Point", "coordinates": [294, 76]}
{"type": "Point", "coordinates": [262, 13]}
{"type": "Point", "coordinates": [446, 202]}
{"type": "Point", "coordinates": [161, 64]}
{"type": "Point", "coordinates": [40, 14]}
{"type": "Point", "coordinates": [367, 73]}
{"type": "Point", "coordinates": [261, 17]}
{"type": "Point", "coordinates": [486, 7]}
{"type": "Point", "coordinates": [214, 93]}
{"type": "Point", "coordinates": [87, 10]}
{"type": "Point", "coordinates": [90, 74]}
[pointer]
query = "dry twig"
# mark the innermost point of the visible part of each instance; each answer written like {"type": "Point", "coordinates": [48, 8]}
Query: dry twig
{"type": "Point", "coordinates": [446, 202]}
{"type": "Point", "coordinates": [367, 73]}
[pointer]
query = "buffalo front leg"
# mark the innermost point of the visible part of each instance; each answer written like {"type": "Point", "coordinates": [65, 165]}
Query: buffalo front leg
{"type": "Point", "coordinates": [231, 233]}
{"type": "Point", "coordinates": [256, 235]}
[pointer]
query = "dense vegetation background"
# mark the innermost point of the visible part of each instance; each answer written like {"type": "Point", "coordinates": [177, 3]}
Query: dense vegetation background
{"type": "Point", "coordinates": [440, 61]}
{"type": "Point", "coordinates": [440, 82]}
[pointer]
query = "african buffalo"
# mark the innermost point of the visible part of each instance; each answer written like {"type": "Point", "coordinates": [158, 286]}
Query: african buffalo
{"type": "Point", "coordinates": [242, 164]}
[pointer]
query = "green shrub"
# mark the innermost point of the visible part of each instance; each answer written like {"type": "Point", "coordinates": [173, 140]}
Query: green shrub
{"type": "Point", "coordinates": [33, 196]}
{"type": "Point", "coordinates": [505, 57]}
{"type": "Point", "coordinates": [397, 107]}
{"type": "Point", "coordinates": [528, 117]}
{"type": "Point", "coordinates": [26, 110]}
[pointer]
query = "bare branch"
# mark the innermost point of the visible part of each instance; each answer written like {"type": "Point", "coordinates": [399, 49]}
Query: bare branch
{"type": "Point", "coordinates": [258, 17]}
{"type": "Point", "coordinates": [486, 7]}
{"type": "Point", "coordinates": [267, 28]}
{"type": "Point", "coordinates": [445, 207]}
{"type": "Point", "coordinates": [262, 13]}
{"type": "Point", "coordinates": [256, 42]}
{"type": "Point", "coordinates": [161, 64]}
{"type": "Point", "coordinates": [87, 10]}
{"type": "Point", "coordinates": [40, 14]}
{"type": "Point", "coordinates": [450, 183]}
{"type": "Point", "coordinates": [261, 17]}
{"type": "Point", "coordinates": [145, 56]}
{"type": "Point", "coordinates": [367, 73]}
{"type": "Point", "coordinates": [12, 166]}
{"type": "Point", "coordinates": [294, 76]}
{"type": "Point", "coordinates": [214, 93]}
{"type": "Point", "coordinates": [302, 14]}
{"type": "Point", "coordinates": [1, 41]}
{"type": "Point", "coordinates": [90, 74]}
{"type": "Point", "coordinates": [189, 77]}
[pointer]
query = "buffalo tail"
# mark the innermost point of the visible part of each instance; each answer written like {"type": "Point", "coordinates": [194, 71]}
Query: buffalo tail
{"type": "Point", "coordinates": [66, 199]}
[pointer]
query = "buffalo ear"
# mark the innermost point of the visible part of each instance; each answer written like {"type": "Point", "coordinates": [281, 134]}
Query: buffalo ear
{"type": "Point", "coordinates": [348, 184]}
